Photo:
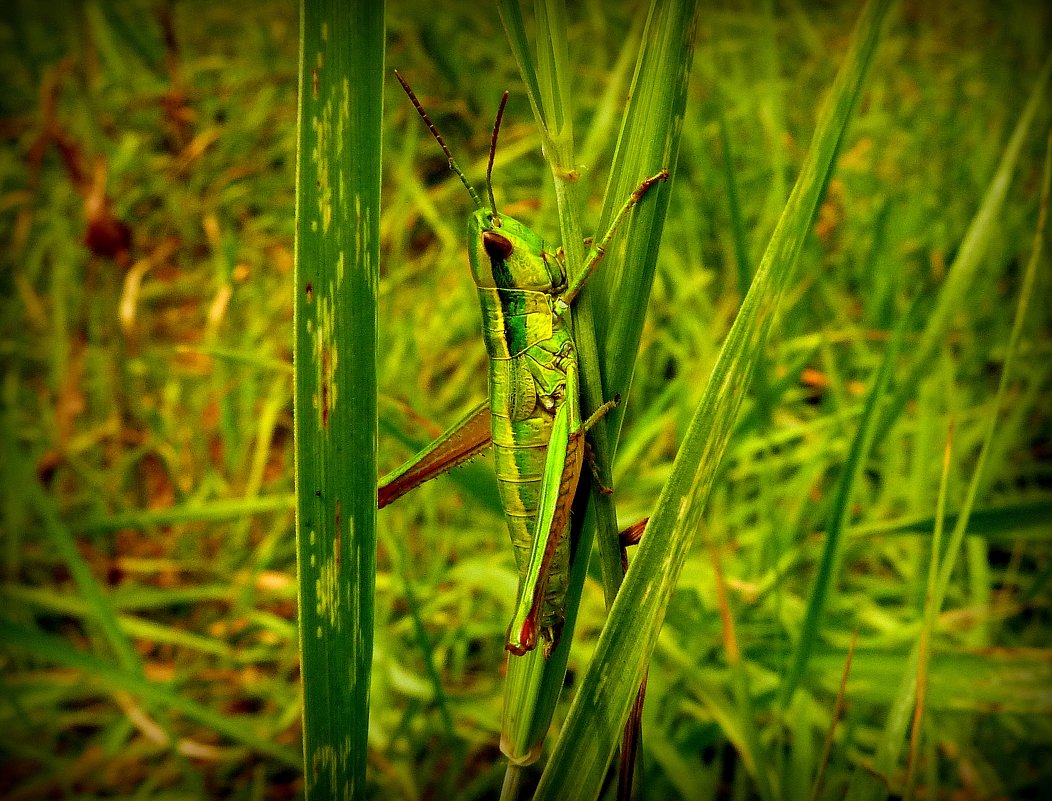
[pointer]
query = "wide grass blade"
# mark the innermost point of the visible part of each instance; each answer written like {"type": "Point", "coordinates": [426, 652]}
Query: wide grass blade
{"type": "Point", "coordinates": [337, 269]}
{"type": "Point", "coordinates": [579, 761]}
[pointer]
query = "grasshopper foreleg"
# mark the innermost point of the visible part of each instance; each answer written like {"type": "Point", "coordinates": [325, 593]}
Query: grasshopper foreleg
{"type": "Point", "coordinates": [599, 250]}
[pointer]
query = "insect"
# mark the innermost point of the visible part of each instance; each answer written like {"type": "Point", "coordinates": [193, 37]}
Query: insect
{"type": "Point", "coordinates": [533, 418]}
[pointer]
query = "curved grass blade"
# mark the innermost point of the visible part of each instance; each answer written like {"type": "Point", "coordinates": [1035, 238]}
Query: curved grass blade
{"type": "Point", "coordinates": [580, 758]}
{"type": "Point", "coordinates": [337, 271]}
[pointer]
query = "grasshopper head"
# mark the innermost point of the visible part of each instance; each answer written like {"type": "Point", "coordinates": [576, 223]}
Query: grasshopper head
{"type": "Point", "coordinates": [506, 254]}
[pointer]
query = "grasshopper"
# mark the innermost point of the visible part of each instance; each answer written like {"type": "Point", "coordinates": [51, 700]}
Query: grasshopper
{"type": "Point", "coordinates": [533, 419]}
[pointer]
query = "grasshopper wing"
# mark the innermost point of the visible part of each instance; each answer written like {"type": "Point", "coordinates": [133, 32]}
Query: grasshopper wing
{"type": "Point", "coordinates": [562, 469]}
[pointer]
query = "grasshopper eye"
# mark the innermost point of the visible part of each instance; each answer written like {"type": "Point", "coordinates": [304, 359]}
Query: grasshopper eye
{"type": "Point", "coordinates": [497, 246]}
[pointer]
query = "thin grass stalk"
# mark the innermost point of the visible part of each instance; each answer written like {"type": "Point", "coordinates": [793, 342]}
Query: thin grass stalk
{"type": "Point", "coordinates": [928, 628]}
{"type": "Point", "coordinates": [336, 279]}
{"type": "Point", "coordinates": [589, 737]}
{"type": "Point", "coordinates": [838, 711]}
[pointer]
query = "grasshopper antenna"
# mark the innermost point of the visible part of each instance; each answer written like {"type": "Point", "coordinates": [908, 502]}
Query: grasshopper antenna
{"type": "Point", "coordinates": [434, 132]}
{"type": "Point", "coordinates": [492, 155]}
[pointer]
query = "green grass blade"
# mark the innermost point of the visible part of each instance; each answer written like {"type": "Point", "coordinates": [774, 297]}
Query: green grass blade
{"type": "Point", "coordinates": [515, 28]}
{"type": "Point", "coordinates": [648, 141]}
{"type": "Point", "coordinates": [579, 761]}
{"type": "Point", "coordinates": [215, 511]}
{"type": "Point", "coordinates": [337, 268]}
{"type": "Point", "coordinates": [829, 564]}
{"type": "Point", "coordinates": [616, 306]}
{"type": "Point", "coordinates": [741, 245]}
{"type": "Point", "coordinates": [1025, 294]}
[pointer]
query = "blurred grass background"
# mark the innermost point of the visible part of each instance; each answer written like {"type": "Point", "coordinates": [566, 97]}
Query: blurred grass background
{"type": "Point", "coordinates": [146, 205]}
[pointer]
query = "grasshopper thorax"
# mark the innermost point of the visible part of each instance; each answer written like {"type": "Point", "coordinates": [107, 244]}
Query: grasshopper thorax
{"type": "Point", "coordinates": [506, 254]}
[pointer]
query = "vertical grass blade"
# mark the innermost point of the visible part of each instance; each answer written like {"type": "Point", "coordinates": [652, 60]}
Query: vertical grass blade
{"type": "Point", "coordinates": [580, 758]}
{"type": "Point", "coordinates": [648, 141]}
{"type": "Point", "coordinates": [337, 267]}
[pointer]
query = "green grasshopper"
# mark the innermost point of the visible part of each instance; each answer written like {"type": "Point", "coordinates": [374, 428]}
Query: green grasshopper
{"type": "Point", "coordinates": [533, 418]}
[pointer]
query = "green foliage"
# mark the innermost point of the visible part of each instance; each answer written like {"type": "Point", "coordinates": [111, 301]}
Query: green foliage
{"type": "Point", "coordinates": [149, 628]}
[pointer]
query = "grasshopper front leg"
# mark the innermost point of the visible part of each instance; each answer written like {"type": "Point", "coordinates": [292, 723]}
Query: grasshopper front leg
{"type": "Point", "coordinates": [599, 249]}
